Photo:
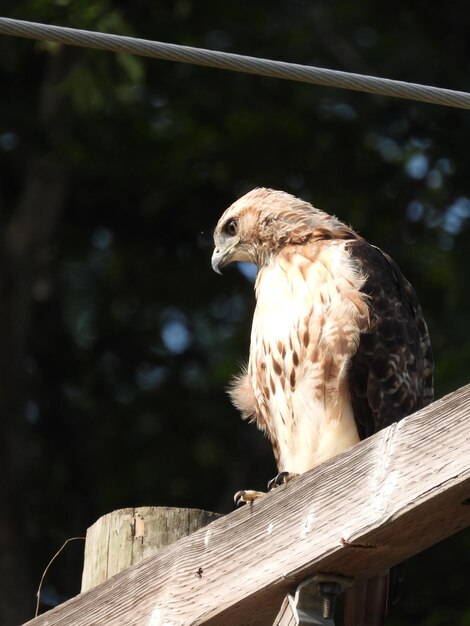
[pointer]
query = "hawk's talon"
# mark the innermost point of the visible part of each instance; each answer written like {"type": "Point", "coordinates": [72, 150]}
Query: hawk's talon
{"type": "Point", "coordinates": [281, 479]}
{"type": "Point", "coordinates": [246, 495]}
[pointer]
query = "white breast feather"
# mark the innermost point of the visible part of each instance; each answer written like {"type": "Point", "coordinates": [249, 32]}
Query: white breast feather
{"type": "Point", "coordinates": [310, 420]}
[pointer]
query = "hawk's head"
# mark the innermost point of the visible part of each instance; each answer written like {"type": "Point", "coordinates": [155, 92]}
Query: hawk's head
{"type": "Point", "coordinates": [263, 221]}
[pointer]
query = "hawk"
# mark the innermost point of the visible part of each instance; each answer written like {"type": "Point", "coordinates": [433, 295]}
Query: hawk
{"type": "Point", "coordinates": [339, 346]}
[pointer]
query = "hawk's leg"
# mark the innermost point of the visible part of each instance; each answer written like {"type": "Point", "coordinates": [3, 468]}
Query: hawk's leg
{"type": "Point", "coordinates": [281, 479]}
{"type": "Point", "coordinates": [247, 495]}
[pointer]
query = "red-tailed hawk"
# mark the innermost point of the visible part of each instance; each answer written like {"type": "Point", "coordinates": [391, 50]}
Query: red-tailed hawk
{"type": "Point", "coordinates": [339, 347]}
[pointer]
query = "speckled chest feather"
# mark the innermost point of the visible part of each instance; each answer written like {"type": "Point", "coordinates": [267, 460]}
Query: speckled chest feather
{"type": "Point", "coordinates": [306, 327]}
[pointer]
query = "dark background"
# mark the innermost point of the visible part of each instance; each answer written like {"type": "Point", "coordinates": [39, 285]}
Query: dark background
{"type": "Point", "coordinates": [116, 338]}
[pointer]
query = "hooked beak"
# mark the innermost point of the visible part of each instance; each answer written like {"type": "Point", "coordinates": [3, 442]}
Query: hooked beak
{"type": "Point", "coordinates": [226, 254]}
{"type": "Point", "coordinates": [220, 258]}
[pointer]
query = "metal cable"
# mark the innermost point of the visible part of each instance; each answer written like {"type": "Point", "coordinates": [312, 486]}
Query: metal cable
{"type": "Point", "coordinates": [235, 62]}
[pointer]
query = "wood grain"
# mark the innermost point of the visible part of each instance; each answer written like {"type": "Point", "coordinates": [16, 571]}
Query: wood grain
{"type": "Point", "coordinates": [125, 537]}
{"type": "Point", "coordinates": [384, 500]}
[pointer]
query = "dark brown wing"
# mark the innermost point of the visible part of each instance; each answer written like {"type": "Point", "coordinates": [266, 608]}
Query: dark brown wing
{"type": "Point", "coordinates": [391, 374]}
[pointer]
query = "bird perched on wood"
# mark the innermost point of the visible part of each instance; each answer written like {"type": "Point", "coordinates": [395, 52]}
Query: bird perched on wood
{"type": "Point", "coordinates": [339, 346]}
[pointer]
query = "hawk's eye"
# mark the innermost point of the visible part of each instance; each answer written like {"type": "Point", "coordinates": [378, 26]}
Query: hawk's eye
{"type": "Point", "coordinates": [231, 227]}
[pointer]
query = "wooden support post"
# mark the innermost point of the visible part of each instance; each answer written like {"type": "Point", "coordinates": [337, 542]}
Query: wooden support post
{"type": "Point", "coordinates": [125, 537]}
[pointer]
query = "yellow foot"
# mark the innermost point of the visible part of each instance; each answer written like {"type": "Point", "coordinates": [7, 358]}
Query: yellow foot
{"type": "Point", "coordinates": [247, 495]}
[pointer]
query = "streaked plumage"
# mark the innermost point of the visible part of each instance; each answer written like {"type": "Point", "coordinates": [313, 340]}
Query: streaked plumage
{"type": "Point", "coordinates": [339, 347]}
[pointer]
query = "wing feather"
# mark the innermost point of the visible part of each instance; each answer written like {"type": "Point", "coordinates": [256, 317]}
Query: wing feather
{"type": "Point", "coordinates": [391, 374]}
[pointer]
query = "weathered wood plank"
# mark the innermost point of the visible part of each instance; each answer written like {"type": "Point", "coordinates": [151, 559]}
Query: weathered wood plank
{"type": "Point", "coordinates": [124, 537]}
{"type": "Point", "coordinates": [377, 504]}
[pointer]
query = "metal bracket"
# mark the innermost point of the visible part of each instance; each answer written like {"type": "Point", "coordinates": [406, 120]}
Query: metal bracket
{"type": "Point", "coordinates": [314, 601]}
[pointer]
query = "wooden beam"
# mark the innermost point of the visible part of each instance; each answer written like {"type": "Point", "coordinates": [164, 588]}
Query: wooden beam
{"type": "Point", "coordinates": [124, 537]}
{"type": "Point", "coordinates": [375, 505]}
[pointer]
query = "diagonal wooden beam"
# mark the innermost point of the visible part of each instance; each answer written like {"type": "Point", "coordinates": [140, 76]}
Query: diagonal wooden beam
{"type": "Point", "coordinates": [375, 505]}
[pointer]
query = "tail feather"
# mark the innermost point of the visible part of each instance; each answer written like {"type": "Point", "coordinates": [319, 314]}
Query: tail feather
{"type": "Point", "coordinates": [365, 604]}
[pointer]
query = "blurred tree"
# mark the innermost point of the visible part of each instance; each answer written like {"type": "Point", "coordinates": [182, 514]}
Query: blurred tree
{"type": "Point", "coordinates": [116, 339]}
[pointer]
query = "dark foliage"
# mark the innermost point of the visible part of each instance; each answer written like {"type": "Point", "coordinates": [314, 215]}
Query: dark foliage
{"type": "Point", "coordinates": [116, 338]}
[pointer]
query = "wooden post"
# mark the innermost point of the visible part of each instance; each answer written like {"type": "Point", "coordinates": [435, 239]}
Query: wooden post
{"type": "Point", "coordinates": [125, 537]}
